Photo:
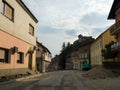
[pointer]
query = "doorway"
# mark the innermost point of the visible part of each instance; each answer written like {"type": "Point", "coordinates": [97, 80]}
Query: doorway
{"type": "Point", "coordinates": [30, 61]}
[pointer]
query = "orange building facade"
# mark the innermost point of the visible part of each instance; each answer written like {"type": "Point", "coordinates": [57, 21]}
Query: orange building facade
{"type": "Point", "coordinates": [17, 38]}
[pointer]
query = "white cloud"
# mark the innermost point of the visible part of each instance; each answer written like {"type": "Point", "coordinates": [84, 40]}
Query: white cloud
{"type": "Point", "coordinates": [54, 41]}
{"type": "Point", "coordinates": [83, 16]}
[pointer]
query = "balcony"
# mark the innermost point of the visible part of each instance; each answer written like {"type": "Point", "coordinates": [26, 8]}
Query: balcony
{"type": "Point", "coordinates": [115, 46]}
{"type": "Point", "coordinates": [115, 28]}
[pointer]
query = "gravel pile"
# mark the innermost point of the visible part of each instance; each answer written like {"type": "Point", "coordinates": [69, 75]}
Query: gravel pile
{"type": "Point", "coordinates": [98, 73]}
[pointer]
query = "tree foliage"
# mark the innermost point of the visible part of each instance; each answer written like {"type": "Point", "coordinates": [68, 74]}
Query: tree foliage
{"type": "Point", "coordinates": [64, 52]}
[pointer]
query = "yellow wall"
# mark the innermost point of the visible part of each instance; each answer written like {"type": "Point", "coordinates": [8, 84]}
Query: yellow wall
{"type": "Point", "coordinates": [96, 52]}
{"type": "Point", "coordinates": [107, 38]}
{"type": "Point", "coordinates": [98, 45]}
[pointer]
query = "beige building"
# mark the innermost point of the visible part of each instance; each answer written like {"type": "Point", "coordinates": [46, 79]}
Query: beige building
{"type": "Point", "coordinates": [84, 53]}
{"type": "Point", "coordinates": [80, 53]}
{"type": "Point", "coordinates": [75, 60]}
{"type": "Point", "coordinates": [54, 65]}
{"type": "Point", "coordinates": [69, 63]}
{"type": "Point", "coordinates": [96, 56]}
{"type": "Point", "coordinates": [98, 45]}
{"type": "Point", "coordinates": [17, 38]}
{"type": "Point", "coordinates": [47, 60]}
{"type": "Point", "coordinates": [72, 60]}
{"type": "Point", "coordinates": [43, 58]}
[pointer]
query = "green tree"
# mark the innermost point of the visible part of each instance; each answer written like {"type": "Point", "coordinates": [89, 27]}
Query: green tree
{"type": "Point", "coordinates": [64, 52]}
{"type": "Point", "coordinates": [63, 47]}
{"type": "Point", "coordinates": [68, 48]}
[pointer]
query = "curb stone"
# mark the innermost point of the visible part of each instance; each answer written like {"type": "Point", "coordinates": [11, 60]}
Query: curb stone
{"type": "Point", "coordinates": [20, 79]}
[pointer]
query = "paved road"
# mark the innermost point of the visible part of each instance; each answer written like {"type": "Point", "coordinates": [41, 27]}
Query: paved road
{"type": "Point", "coordinates": [60, 80]}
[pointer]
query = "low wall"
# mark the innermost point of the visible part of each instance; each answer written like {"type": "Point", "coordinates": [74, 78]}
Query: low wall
{"type": "Point", "coordinates": [8, 72]}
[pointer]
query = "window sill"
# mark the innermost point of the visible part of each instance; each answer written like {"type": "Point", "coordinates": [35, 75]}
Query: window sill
{"type": "Point", "coordinates": [31, 34]}
{"type": "Point", "coordinates": [4, 63]}
{"type": "Point", "coordinates": [20, 63]}
{"type": "Point", "coordinates": [8, 18]}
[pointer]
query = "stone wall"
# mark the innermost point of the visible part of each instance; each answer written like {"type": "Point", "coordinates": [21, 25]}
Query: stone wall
{"type": "Point", "coordinates": [9, 72]}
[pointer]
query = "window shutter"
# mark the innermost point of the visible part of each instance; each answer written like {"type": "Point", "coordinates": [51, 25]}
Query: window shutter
{"type": "Point", "coordinates": [9, 56]}
{"type": "Point", "coordinates": [8, 11]}
{"type": "Point", "coordinates": [22, 57]}
{"type": "Point", "coordinates": [31, 29]}
{"type": "Point", "coordinates": [2, 54]}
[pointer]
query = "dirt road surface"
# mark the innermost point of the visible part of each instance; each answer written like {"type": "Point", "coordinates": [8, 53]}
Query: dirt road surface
{"type": "Point", "coordinates": [62, 80]}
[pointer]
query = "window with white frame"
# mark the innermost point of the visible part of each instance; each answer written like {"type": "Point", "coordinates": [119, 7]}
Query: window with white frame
{"type": "Point", "coordinates": [85, 54]}
{"type": "Point", "coordinates": [79, 55]}
{"type": "Point", "coordinates": [82, 55]}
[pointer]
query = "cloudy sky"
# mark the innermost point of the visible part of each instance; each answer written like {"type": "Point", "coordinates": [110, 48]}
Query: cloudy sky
{"type": "Point", "coordinates": [62, 20]}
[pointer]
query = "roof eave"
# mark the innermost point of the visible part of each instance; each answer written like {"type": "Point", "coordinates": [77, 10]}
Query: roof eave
{"type": "Point", "coordinates": [44, 47]}
{"type": "Point", "coordinates": [113, 9]}
{"type": "Point", "coordinates": [21, 3]}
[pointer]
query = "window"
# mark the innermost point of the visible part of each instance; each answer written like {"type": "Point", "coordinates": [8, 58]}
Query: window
{"type": "Point", "coordinates": [7, 10]}
{"type": "Point", "coordinates": [76, 65]}
{"type": "Point", "coordinates": [98, 57]}
{"type": "Point", "coordinates": [82, 55]}
{"type": "Point", "coordinates": [2, 10]}
{"type": "Point", "coordinates": [31, 30]}
{"type": "Point", "coordinates": [79, 55]}
{"type": "Point", "coordinates": [4, 55]}
{"type": "Point", "coordinates": [92, 48]}
{"type": "Point", "coordinates": [20, 57]}
{"type": "Point", "coordinates": [86, 55]}
{"type": "Point", "coordinates": [96, 46]}
{"type": "Point", "coordinates": [100, 44]}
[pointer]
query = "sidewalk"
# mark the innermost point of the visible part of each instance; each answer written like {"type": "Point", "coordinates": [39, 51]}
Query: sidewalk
{"type": "Point", "coordinates": [22, 78]}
